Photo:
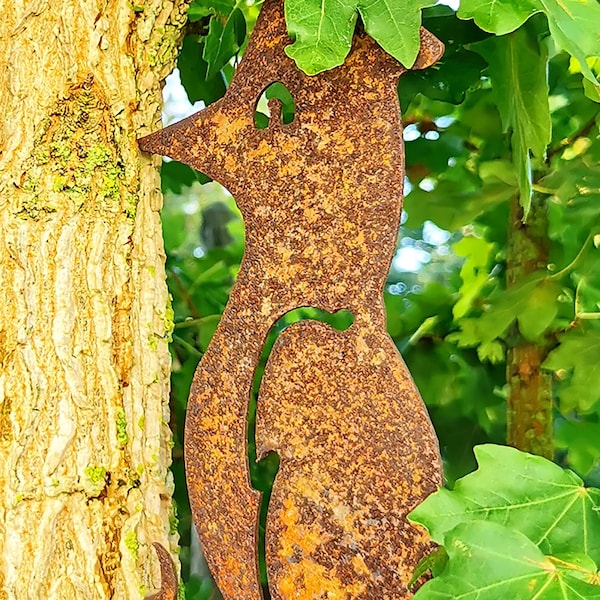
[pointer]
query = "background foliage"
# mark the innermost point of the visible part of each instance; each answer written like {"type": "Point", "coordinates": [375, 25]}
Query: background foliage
{"type": "Point", "coordinates": [496, 278]}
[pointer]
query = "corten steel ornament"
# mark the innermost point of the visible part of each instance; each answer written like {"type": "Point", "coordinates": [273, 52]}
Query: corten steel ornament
{"type": "Point", "coordinates": [321, 199]}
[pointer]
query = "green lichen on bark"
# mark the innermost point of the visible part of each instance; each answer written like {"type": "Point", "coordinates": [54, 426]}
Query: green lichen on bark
{"type": "Point", "coordinates": [132, 544]}
{"type": "Point", "coordinates": [95, 474]}
{"type": "Point", "coordinates": [76, 251]}
{"type": "Point", "coordinates": [173, 520]}
{"type": "Point", "coordinates": [169, 319]}
{"type": "Point", "coordinates": [75, 163]}
{"type": "Point", "coordinates": [95, 480]}
{"type": "Point", "coordinates": [122, 436]}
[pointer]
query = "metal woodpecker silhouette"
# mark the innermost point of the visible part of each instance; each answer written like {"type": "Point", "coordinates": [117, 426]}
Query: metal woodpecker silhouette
{"type": "Point", "coordinates": [321, 199]}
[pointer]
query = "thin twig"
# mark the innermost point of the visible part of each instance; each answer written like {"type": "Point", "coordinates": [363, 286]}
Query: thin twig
{"type": "Point", "coordinates": [570, 140]}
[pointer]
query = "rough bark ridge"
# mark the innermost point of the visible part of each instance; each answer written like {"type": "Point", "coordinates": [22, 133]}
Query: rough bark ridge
{"type": "Point", "coordinates": [84, 317]}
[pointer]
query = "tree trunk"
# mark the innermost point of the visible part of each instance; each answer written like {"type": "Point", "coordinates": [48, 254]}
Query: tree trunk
{"type": "Point", "coordinates": [84, 315]}
{"type": "Point", "coordinates": [530, 404]}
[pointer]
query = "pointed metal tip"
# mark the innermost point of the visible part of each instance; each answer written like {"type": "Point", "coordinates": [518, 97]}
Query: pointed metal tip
{"type": "Point", "coordinates": [168, 585]}
{"type": "Point", "coordinates": [153, 143]}
{"type": "Point", "coordinates": [431, 51]}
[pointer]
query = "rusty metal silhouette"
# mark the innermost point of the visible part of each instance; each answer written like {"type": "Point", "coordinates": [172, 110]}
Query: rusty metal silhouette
{"type": "Point", "coordinates": [321, 199]}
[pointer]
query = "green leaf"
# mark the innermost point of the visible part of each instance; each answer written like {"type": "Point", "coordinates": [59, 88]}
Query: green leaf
{"type": "Point", "coordinates": [518, 72]}
{"type": "Point", "coordinates": [533, 303]}
{"type": "Point", "coordinates": [322, 30]}
{"type": "Point", "coordinates": [524, 493]}
{"type": "Point", "coordinates": [581, 440]}
{"type": "Point", "coordinates": [492, 351]}
{"type": "Point", "coordinates": [395, 26]}
{"type": "Point", "coordinates": [425, 155]}
{"type": "Point", "coordinates": [203, 8]}
{"type": "Point", "coordinates": [574, 27]}
{"type": "Point", "coordinates": [207, 331]}
{"type": "Point", "coordinates": [458, 69]}
{"type": "Point", "coordinates": [407, 313]}
{"type": "Point", "coordinates": [578, 353]}
{"type": "Point", "coordinates": [498, 16]}
{"type": "Point", "coordinates": [193, 70]}
{"type": "Point", "coordinates": [540, 309]}
{"type": "Point", "coordinates": [450, 207]}
{"type": "Point", "coordinates": [434, 562]}
{"type": "Point", "coordinates": [490, 562]}
{"type": "Point", "coordinates": [175, 176]}
{"type": "Point", "coordinates": [278, 91]}
{"type": "Point", "coordinates": [575, 207]}
{"type": "Point", "coordinates": [474, 272]}
{"type": "Point", "coordinates": [197, 11]}
{"type": "Point", "coordinates": [592, 90]}
{"type": "Point", "coordinates": [223, 41]}
{"type": "Point", "coordinates": [573, 23]}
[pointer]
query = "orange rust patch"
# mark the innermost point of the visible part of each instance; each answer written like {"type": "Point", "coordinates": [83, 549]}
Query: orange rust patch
{"type": "Point", "coordinates": [321, 199]}
{"type": "Point", "coordinates": [357, 454]}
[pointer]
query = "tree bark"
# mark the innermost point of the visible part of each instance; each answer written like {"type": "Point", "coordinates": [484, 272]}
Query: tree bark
{"type": "Point", "coordinates": [84, 311]}
{"type": "Point", "coordinates": [530, 403]}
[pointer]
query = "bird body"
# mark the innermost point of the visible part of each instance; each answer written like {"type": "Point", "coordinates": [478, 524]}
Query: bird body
{"type": "Point", "coordinates": [321, 199]}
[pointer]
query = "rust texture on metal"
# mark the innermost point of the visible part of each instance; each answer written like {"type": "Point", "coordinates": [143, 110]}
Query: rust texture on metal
{"type": "Point", "coordinates": [321, 199]}
{"type": "Point", "coordinates": [169, 587]}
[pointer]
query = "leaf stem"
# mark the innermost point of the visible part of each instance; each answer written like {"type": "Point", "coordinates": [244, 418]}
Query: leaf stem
{"type": "Point", "coordinates": [587, 315]}
{"type": "Point", "coordinates": [184, 293]}
{"type": "Point", "coordinates": [542, 190]}
{"type": "Point", "coordinates": [194, 322]}
{"type": "Point", "coordinates": [187, 346]}
{"type": "Point", "coordinates": [585, 129]}
{"type": "Point", "coordinates": [574, 262]}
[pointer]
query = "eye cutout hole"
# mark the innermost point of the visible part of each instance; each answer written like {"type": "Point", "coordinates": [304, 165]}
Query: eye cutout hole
{"type": "Point", "coordinates": [276, 98]}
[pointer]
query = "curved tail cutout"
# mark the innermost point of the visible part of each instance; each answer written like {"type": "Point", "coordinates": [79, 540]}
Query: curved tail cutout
{"type": "Point", "coordinates": [168, 576]}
